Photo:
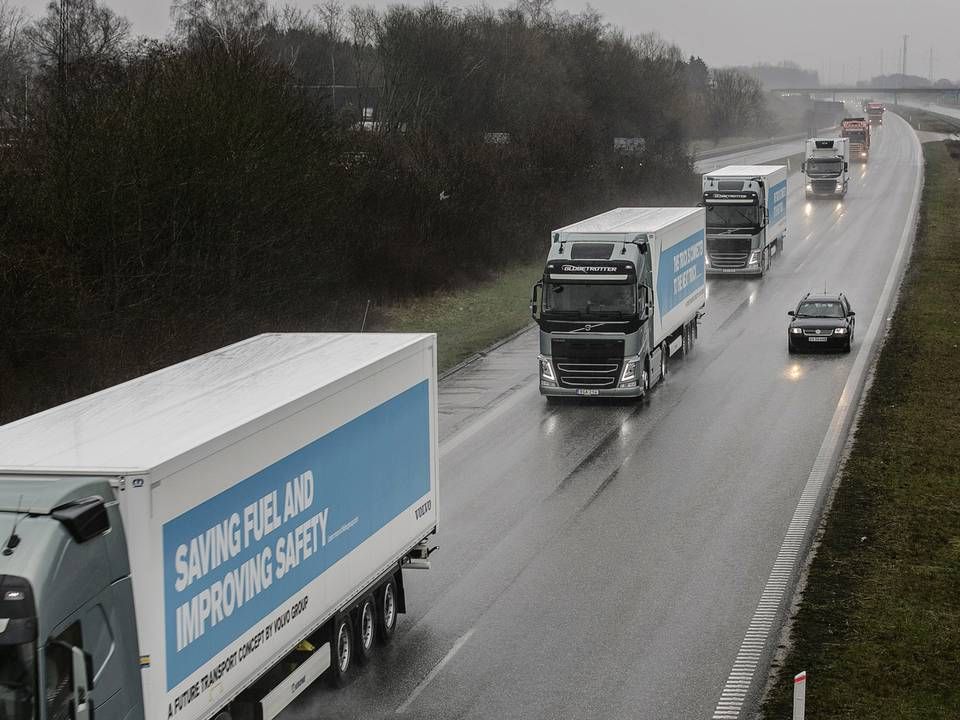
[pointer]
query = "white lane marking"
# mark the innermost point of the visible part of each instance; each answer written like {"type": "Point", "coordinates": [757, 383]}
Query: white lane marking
{"type": "Point", "coordinates": [744, 673]}
{"type": "Point", "coordinates": [486, 417]}
{"type": "Point", "coordinates": [436, 671]}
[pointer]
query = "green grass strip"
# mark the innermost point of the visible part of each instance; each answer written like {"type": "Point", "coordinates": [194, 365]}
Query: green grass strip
{"type": "Point", "coordinates": [468, 320]}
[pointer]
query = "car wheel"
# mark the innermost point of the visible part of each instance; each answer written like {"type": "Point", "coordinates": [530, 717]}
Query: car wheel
{"type": "Point", "coordinates": [846, 348]}
{"type": "Point", "coordinates": [790, 348]}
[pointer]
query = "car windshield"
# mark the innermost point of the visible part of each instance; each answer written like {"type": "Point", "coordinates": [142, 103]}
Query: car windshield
{"type": "Point", "coordinates": [593, 300]}
{"type": "Point", "coordinates": [820, 309]}
{"type": "Point", "coordinates": [17, 682]}
{"type": "Point", "coordinates": [830, 167]}
{"type": "Point", "coordinates": [733, 216]}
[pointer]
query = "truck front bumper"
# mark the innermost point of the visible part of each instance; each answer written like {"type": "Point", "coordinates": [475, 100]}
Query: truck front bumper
{"type": "Point", "coordinates": [751, 270]}
{"type": "Point", "coordinates": [555, 391]}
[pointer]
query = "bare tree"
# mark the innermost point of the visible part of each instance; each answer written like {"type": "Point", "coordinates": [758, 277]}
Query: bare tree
{"type": "Point", "coordinates": [363, 23]}
{"type": "Point", "coordinates": [14, 67]}
{"type": "Point", "coordinates": [330, 13]}
{"type": "Point", "coordinates": [233, 23]}
{"type": "Point", "coordinates": [78, 33]}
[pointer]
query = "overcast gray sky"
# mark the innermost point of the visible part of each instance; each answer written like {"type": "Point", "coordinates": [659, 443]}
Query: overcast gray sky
{"type": "Point", "coordinates": [840, 39]}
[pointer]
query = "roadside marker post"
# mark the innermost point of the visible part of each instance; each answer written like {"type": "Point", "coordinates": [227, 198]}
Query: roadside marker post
{"type": "Point", "coordinates": [799, 695]}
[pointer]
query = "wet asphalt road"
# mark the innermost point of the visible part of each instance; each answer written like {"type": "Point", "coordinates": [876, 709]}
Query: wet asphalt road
{"type": "Point", "coordinates": [603, 560]}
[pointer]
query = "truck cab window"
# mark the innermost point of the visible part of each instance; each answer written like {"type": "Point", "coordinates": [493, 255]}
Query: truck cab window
{"type": "Point", "coordinates": [17, 681]}
{"type": "Point", "coordinates": [58, 667]}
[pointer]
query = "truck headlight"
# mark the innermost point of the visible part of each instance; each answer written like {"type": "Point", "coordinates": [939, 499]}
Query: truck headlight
{"type": "Point", "coordinates": [795, 331]}
{"type": "Point", "coordinates": [754, 258]}
{"type": "Point", "coordinates": [809, 187]}
{"type": "Point", "coordinates": [840, 331]}
{"type": "Point", "coordinates": [629, 374]}
{"type": "Point", "coordinates": [863, 154]}
{"type": "Point", "coordinates": [546, 371]}
{"type": "Point", "coordinates": [839, 187]}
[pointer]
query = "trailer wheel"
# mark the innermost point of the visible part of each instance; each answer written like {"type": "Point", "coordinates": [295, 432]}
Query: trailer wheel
{"type": "Point", "coordinates": [341, 651]}
{"type": "Point", "coordinates": [387, 611]}
{"type": "Point", "coordinates": [366, 631]}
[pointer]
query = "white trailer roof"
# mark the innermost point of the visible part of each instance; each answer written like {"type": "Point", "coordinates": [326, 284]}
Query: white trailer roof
{"type": "Point", "coordinates": [631, 220]}
{"type": "Point", "coordinates": [140, 424]}
{"type": "Point", "coordinates": [746, 171]}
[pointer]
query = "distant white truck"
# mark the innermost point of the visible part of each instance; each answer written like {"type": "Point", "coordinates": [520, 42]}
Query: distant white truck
{"type": "Point", "coordinates": [621, 292]}
{"type": "Point", "coordinates": [207, 540]}
{"type": "Point", "coordinates": [826, 167]}
{"type": "Point", "coordinates": [746, 217]}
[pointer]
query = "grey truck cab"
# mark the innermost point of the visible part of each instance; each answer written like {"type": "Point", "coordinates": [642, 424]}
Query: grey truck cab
{"type": "Point", "coordinates": [63, 542]}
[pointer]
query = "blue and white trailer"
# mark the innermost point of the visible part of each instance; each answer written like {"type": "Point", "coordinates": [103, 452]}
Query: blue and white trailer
{"type": "Point", "coordinates": [207, 540]}
{"type": "Point", "coordinates": [620, 293]}
{"type": "Point", "coordinates": [746, 217]}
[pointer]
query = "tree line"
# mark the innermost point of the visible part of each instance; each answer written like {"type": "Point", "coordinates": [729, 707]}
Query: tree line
{"type": "Point", "coordinates": [269, 168]}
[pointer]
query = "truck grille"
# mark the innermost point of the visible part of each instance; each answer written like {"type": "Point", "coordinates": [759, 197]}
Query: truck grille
{"type": "Point", "coordinates": [587, 363]}
{"type": "Point", "coordinates": [726, 253]}
{"type": "Point", "coordinates": [824, 186]}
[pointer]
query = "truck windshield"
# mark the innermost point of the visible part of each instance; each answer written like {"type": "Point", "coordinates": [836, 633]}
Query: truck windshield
{"type": "Point", "coordinates": [733, 216]}
{"type": "Point", "coordinates": [17, 682]}
{"type": "Point", "coordinates": [593, 300]}
{"type": "Point", "coordinates": [829, 167]}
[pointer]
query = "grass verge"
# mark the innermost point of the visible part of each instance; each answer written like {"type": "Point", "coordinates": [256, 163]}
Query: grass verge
{"type": "Point", "coordinates": [468, 320]}
{"type": "Point", "coordinates": [878, 629]}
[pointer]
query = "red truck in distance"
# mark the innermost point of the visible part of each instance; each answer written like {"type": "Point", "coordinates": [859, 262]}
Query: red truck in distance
{"type": "Point", "coordinates": [875, 113]}
{"type": "Point", "coordinates": [858, 132]}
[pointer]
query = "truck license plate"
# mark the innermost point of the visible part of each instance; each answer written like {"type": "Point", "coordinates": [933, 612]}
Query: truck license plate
{"type": "Point", "coordinates": [585, 391]}
{"type": "Point", "coordinates": [817, 339]}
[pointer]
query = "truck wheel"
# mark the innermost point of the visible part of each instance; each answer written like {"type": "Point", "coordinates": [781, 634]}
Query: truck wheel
{"type": "Point", "coordinates": [663, 363]}
{"type": "Point", "coordinates": [341, 651]}
{"type": "Point", "coordinates": [366, 630]}
{"type": "Point", "coordinates": [387, 611]}
{"type": "Point", "coordinates": [765, 260]}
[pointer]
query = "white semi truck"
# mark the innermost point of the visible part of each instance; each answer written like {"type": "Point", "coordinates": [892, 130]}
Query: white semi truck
{"type": "Point", "coordinates": [746, 217]}
{"type": "Point", "coordinates": [621, 292]}
{"type": "Point", "coordinates": [826, 167]}
{"type": "Point", "coordinates": [207, 540]}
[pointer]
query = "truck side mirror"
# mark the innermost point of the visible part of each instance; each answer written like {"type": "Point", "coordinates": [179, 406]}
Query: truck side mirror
{"type": "Point", "coordinates": [535, 300]}
{"type": "Point", "coordinates": [791, 313]}
{"type": "Point", "coordinates": [803, 167]}
{"type": "Point", "coordinates": [82, 677]}
{"type": "Point", "coordinates": [846, 167]}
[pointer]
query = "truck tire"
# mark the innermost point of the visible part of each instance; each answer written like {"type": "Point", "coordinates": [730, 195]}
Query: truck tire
{"type": "Point", "coordinates": [386, 611]}
{"type": "Point", "coordinates": [342, 651]}
{"type": "Point", "coordinates": [366, 629]}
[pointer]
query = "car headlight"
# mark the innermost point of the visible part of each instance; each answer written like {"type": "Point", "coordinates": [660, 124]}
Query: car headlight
{"type": "Point", "coordinates": [795, 331]}
{"type": "Point", "coordinates": [840, 331]}
{"type": "Point", "coordinates": [546, 370]}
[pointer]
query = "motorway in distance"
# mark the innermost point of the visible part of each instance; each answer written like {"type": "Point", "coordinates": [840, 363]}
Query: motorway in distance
{"type": "Point", "coordinates": [602, 560]}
